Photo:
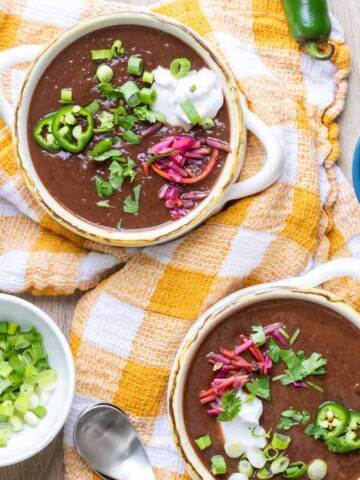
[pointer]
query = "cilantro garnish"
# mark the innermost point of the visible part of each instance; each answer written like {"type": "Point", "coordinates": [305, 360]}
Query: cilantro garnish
{"type": "Point", "coordinates": [274, 351]}
{"type": "Point", "coordinates": [300, 367]}
{"type": "Point", "coordinates": [151, 116]}
{"type": "Point", "coordinates": [290, 418]}
{"type": "Point", "coordinates": [108, 91]}
{"type": "Point", "coordinates": [113, 153]}
{"type": "Point", "coordinates": [130, 137]}
{"type": "Point", "coordinates": [103, 188]}
{"type": "Point", "coordinates": [116, 174]}
{"type": "Point", "coordinates": [260, 387]}
{"type": "Point", "coordinates": [130, 205]}
{"type": "Point", "coordinates": [258, 337]}
{"type": "Point", "coordinates": [231, 404]}
{"type": "Point", "coordinates": [315, 431]}
{"type": "Point", "coordinates": [106, 122]}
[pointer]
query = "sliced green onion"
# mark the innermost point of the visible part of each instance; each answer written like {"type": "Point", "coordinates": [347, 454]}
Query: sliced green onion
{"type": "Point", "coordinates": [295, 470]}
{"type": "Point", "coordinates": [31, 419]}
{"type": "Point", "coordinates": [317, 470]}
{"type": "Point", "coordinates": [93, 107]}
{"type": "Point", "coordinates": [27, 390]}
{"type": "Point", "coordinates": [264, 473]}
{"type": "Point", "coordinates": [270, 453]}
{"type": "Point", "coordinates": [203, 442]}
{"type": "Point", "coordinates": [246, 468]}
{"type": "Point", "coordinates": [21, 405]}
{"type": "Point", "coordinates": [105, 54]}
{"type": "Point", "coordinates": [284, 333]}
{"type": "Point", "coordinates": [207, 123]}
{"type": "Point", "coordinates": [279, 465]}
{"type": "Point", "coordinates": [31, 373]}
{"type": "Point", "coordinates": [117, 48]}
{"type": "Point", "coordinates": [131, 93]}
{"type": "Point", "coordinates": [130, 137]}
{"type": "Point", "coordinates": [104, 73]}
{"type": "Point", "coordinates": [47, 380]}
{"type": "Point", "coordinates": [12, 328]}
{"type": "Point", "coordinates": [218, 465]}
{"type": "Point", "coordinates": [16, 423]}
{"type": "Point", "coordinates": [280, 441]}
{"type": "Point", "coordinates": [66, 95]}
{"type": "Point", "coordinates": [5, 369]}
{"type": "Point", "coordinates": [180, 67]}
{"type": "Point", "coordinates": [21, 342]}
{"type": "Point", "coordinates": [191, 112]}
{"type": "Point", "coordinates": [77, 131]}
{"type": "Point", "coordinates": [5, 435]}
{"type": "Point", "coordinates": [192, 88]}
{"type": "Point", "coordinates": [7, 408]}
{"type": "Point", "coordinates": [147, 77]}
{"type": "Point", "coordinates": [233, 450]}
{"type": "Point", "coordinates": [148, 96]}
{"type": "Point", "coordinates": [40, 411]}
{"type": "Point", "coordinates": [70, 119]}
{"type": "Point", "coordinates": [295, 336]}
{"type": "Point", "coordinates": [135, 65]}
{"type": "Point", "coordinates": [3, 327]}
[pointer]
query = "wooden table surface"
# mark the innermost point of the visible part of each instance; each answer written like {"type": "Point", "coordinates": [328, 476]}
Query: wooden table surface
{"type": "Point", "coordinates": [48, 465]}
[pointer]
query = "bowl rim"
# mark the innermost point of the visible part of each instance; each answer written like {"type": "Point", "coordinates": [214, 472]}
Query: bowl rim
{"type": "Point", "coordinates": [209, 320]}
{"type": "Point", "coordinates": [169, 230]}
{"type": "Point", "coordinates": [70, 367]}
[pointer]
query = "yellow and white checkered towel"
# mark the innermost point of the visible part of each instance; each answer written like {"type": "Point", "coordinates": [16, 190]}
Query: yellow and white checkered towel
{"type": "Point", "coordinates": [126, 331]}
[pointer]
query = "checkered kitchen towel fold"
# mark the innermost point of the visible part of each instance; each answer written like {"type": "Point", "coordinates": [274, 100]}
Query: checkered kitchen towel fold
{"type": "Point", "coordinates": [126, 331]}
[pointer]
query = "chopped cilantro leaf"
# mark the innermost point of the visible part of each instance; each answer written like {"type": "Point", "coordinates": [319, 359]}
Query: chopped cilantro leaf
{"type": "Point", "coordinates": [231, 404]}
{"type": "Point", "coordinates": [127, 121]}
{"type": "Point", "coordinates": [258, 337]}
{"type": "Point", "coordinates": [106, 155]}
{"type": "Point", "coordinates": [103, 188]}
{"type": "Point", "coordinates": [130, 205]}
{"type": "Point", "coordinates": [260, 387]}
{"type": "Point", "coordinates": [313, 365]}
{"type": "Point", "coordinates": [116, 174]}
{"type": "Point", "coordinates": [290, 418]}
{"type": "Point", "coordinates": [106, 122]}
{"type": "Point", "coordinates": [315, 431]}
{"type": "Point", "coordinates": [274, 350]}
{"type": "Point", "coordinates": [300, 367]}
{"type": "Point", "coordinates": [108, 91]}
{"type": "Point", "coordinates": [151, 116]}
{"type": "Point", "coordinates": [130, 137]}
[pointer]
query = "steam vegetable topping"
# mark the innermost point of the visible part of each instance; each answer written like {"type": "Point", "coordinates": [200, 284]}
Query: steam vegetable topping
{"type": "Point", "coordinates": [177, 96]}
{"type": "Point", "coordinates": [26, 379]}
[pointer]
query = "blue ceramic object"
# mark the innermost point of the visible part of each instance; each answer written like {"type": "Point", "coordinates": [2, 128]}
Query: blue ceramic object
{"type": "Point", "coordinates": [356, 170]}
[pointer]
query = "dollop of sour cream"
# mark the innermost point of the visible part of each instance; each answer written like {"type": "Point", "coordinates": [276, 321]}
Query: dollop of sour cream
{"type": "Point", "coordinates": [244, 432]}
{"type": "Point", "coordinates": [201, 87]}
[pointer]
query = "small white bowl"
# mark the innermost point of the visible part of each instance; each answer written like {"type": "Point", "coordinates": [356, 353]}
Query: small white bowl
{"type": "Point", "coordinates": [28, 442]}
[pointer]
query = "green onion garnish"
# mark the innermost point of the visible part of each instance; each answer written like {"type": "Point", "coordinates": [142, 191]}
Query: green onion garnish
{"type": "Point", "coordinates": [317, 470]}
{"type": "Point", "coordinates": [264, 473]}
{"type": "Point", "coordinates": [295, 470]}
{"type": "Point", "coordinates": [148, 96]}
{"type": "Point", "coordinates": [207, 123]}
{"type": "Point", "coordinates": [105, 54]}
{"type": "Point", "coordinates": [203, 442]}
{"type": "Point", "coordinates": [279, 465]}
{"type": "Point", "coordinates": [192, 88]}
{"type": "Point", "coordinates": [280, 441]}
{"type": "Point", "coordinates": [25, 378]}
{"type": "Point", "coordinates": [284, 333]}
{"type": "Point", "coordinates": [130, 137]}
{"type": "Point", "coordinates": [131, 93]}
{"type": "Point", "coordinates": [147, 77]}
{"type": "Point", "coordinates": [295, 336]}
{"type": "Point", "coordinates": [66, 95]}
{"type": "Point", "coordinates": [218, 465]}
{"type": "Point", "coordinates": [104, 73]}
{"type": "Point", "coordinates": [135, 65]}
{"type": "Point", "coordinates": [117, 49]}
{"type": "Point", "coordinates": [270, 453]}
{"type": "Point", "coordinates": [93, 107]}
{"type": "Point", "coordinates": [180, 67]}
{"type": "Point", "coordinates": [190, 112]}
{"type": "Point", "coordinates": [314, 385]}
{"type": "Point", "coordinates": [245, 467]}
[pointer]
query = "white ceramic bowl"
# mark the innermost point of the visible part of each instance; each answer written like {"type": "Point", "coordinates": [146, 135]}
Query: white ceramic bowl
{"type": "Point", "coordinates": [30, 441]}
{"type": "Point", "coordinates": [298, 288]}
{"type": "Point", "coordinates": [226, 187]}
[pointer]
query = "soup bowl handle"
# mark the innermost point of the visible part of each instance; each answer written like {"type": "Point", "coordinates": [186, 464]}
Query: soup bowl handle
{"type": "Point", "coordinates": [341, 267]}
{"type": "Point", "coordinates": [8, 58]}
{"type": "Point", "coordinates": [273, 164]}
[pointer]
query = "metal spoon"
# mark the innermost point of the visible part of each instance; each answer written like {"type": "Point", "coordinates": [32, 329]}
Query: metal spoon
{"type": "Point", "coordinates": [110, 445]}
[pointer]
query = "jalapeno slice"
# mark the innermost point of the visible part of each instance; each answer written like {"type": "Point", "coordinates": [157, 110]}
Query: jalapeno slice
{"type": "Point", "coordinates": [334, 418]}
{"type": "Point", "coordinates": [43, 136]}
{"type": "Point", "coordinates": [350, 440]}
{"type": "Point", "coordinates": [67, 129]}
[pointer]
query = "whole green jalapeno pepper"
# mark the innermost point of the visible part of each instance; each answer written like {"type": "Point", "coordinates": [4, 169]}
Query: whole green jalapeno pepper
{"type": "Point", "coordinates": [310, 25]}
